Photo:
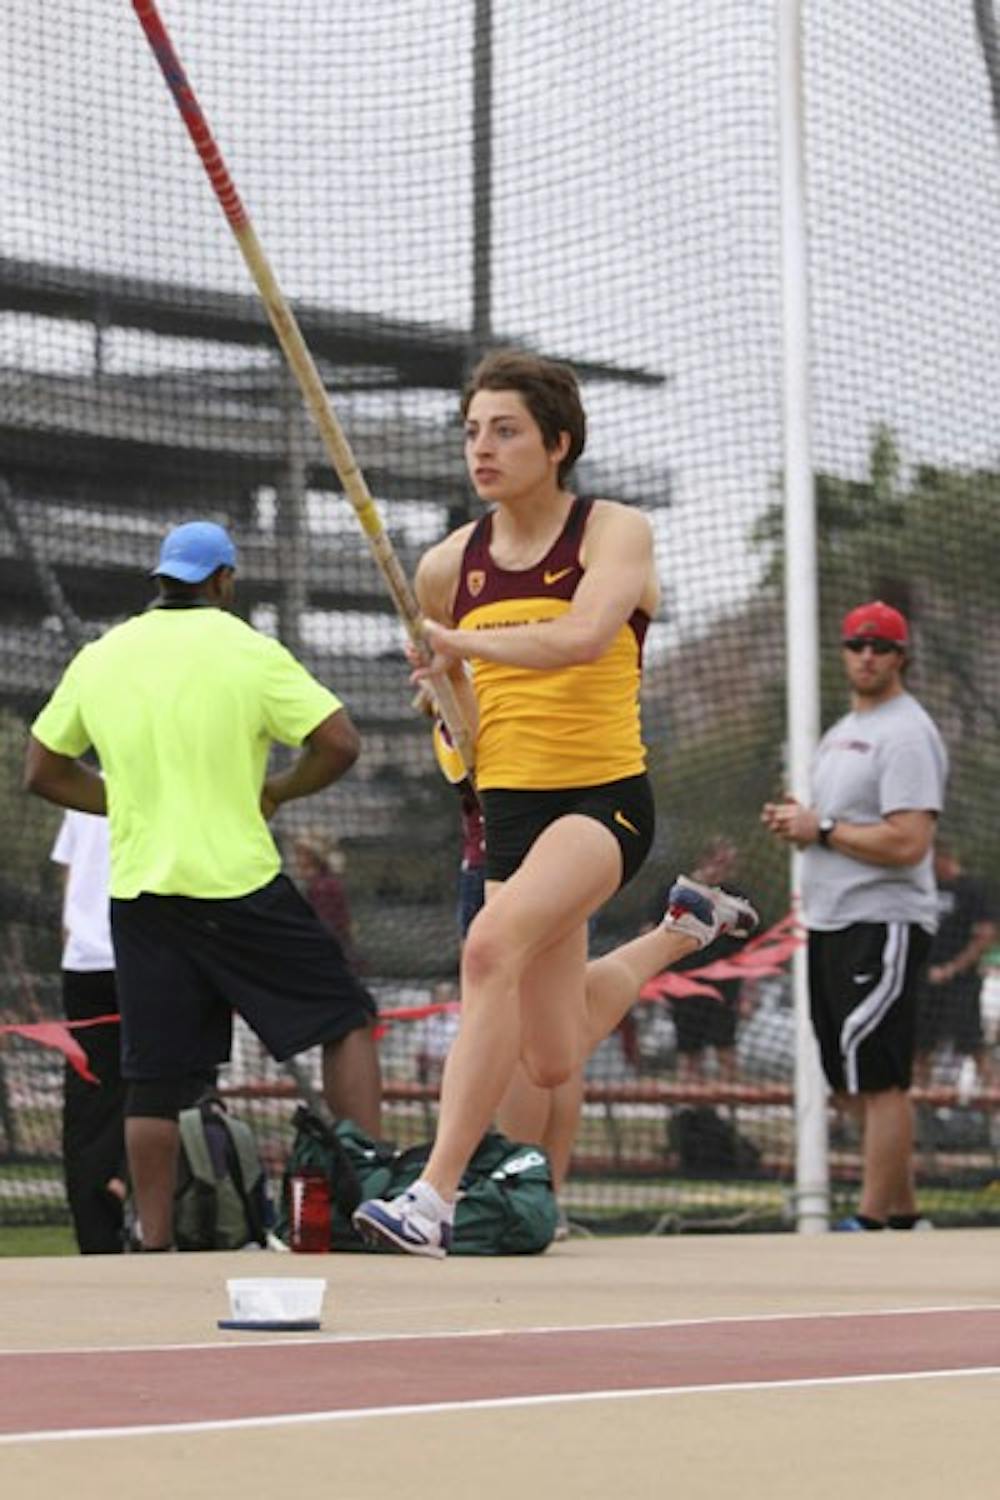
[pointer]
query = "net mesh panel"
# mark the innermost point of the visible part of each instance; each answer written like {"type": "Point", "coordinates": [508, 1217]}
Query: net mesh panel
{"type": "Point", "coordinates": [904, 207]}
{"type": "Point", "coordinates": [633, 228]}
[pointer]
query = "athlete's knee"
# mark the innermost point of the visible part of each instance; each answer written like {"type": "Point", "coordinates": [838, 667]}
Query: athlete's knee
{"type": "Point", "coordinates": [546, 1070]}
{"type": "Point", "coordinates": [487, 953]}
{"type": "Point", "coordinates": [163, 1098]}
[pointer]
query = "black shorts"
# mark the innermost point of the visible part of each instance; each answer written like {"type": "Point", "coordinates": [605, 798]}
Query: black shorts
{"type": "Point", "coordinates": [951, 1013]}
{"type": "Point", "coordinates": [700, 1021]}
{"type": "Point", "coordinates": [513, 821]}
{"type": "Point", "coordinates": [862, 995]}
{"type": "Point", "coordinates": [184, 964]}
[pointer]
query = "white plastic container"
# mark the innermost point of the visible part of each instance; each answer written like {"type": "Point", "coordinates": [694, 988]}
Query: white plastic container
{"type": "Point", "coordinates": [275, 1302]}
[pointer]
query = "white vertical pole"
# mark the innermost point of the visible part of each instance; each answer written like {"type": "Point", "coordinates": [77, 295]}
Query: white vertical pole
{"type": "Point", "coordinates": [801, 592]}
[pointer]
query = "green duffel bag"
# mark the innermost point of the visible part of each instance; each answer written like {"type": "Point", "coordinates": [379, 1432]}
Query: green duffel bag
{"type": "Point", "coordinates": [356, 1167]}
{"type": "Point", "coordinates": [506, 1203]}
{"type": "Point", "coordinates": [510, 1207]}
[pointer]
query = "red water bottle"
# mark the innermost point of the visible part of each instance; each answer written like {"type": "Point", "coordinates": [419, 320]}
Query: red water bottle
{"type": "Point", "coordinates": [309, 1211]}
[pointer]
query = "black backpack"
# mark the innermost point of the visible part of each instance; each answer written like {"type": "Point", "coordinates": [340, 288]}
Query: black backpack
{"type": "Point", "coordinates": [221, 1202]}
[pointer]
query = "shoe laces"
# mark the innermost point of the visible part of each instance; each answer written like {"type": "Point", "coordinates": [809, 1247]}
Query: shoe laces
{"type": "Point", "coordinates": [408, 1208]}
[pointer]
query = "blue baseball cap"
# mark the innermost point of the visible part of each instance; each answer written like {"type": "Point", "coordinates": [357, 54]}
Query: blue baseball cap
{"type": "Point", "coordinates": [193, 551]}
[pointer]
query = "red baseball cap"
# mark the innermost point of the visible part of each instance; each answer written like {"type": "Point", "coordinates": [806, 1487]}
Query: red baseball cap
{"type": "Point", "coordinates": [878, 620]}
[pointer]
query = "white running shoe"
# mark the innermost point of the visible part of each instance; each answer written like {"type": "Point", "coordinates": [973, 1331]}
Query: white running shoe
{"type": "Point", "coordinates": [406, 1224]}
{"type": "Point", "coordinates": [705, 912]}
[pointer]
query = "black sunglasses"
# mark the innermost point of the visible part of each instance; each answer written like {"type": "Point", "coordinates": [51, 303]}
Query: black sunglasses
{"type": "Point", "coordinates": [857, 644]}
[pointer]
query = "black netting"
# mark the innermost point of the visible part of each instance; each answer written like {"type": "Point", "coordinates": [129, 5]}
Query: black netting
{"type": "Point", "coordinates": [594, 182]}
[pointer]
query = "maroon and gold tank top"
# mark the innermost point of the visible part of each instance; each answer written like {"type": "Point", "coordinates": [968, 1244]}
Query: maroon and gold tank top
{"type": "Point", "coordinates": [565, 726]}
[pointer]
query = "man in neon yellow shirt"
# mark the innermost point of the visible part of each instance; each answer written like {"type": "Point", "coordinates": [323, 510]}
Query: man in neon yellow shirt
{"type": "Point", "coordinates": [182, 704]}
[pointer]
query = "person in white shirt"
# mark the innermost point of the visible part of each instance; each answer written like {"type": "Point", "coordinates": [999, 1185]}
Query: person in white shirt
{"type": "Point", "coordinates": [93, 1136]}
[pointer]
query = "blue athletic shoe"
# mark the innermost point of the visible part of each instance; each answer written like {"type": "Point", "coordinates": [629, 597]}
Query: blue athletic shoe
{"type": "Point", "coordinates": [853, 1225]}
{"type": "Point", "coordinates": [705, 912]}
{"type": "Point", "coordinates": [403, 1224]}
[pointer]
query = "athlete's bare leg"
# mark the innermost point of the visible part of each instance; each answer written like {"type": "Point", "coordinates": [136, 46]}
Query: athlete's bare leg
{"type": "Point", "coordinates": [527, 990]}
{"type": "Point", "coordinates": [566, 1102]}
{"type": "Point", "coordinates": [569, 872]}
{"type": "Point", "coordinates": [614, 981]}
{"type": "Point", "coordinates": [548, 1117]}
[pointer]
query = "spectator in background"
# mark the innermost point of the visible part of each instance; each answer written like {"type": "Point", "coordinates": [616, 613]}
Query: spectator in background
{"type": "Point", "coordinates": [320, 865]}
{"type": "Point", "coordinates": [93, 1130]}
{"type": "Point", "coordinates": [704, 1023]}
{"type": "Point", "coordinates": [948, 1003]}
{"type": "Point", "coordinates": [868, 899]}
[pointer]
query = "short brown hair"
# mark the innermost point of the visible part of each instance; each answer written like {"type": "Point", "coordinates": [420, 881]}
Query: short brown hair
{"type": "Point", "coordinates": [549, 390]}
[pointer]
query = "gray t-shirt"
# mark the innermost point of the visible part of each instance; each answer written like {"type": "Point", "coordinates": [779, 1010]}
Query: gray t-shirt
{"type": "Point", "coordinates": [883, 760]}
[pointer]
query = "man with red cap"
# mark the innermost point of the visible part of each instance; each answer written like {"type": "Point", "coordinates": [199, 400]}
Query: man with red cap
{"type": "Point", "coordinates": [869, 898]}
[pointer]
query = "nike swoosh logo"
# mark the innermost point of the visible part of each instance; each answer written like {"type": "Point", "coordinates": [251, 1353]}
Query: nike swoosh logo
{"type": "Point", "coordinates": [548, 577]}
{"type": "Point", "coordinates": [623, 822]}
{"type": "Point", "coordinates": [862, 978]}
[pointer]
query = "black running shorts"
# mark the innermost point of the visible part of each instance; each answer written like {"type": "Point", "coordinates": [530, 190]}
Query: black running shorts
{"type": "Point", "coordinates": [862, 995]}
{"type": "Point", "coordinates": [514, 819]}
{"type": "Point", "coordinates": [184, 964]}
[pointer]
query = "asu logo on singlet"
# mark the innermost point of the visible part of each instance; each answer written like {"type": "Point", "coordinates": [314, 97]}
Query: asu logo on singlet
{"type": "Point", "coordinates": [568, 727]}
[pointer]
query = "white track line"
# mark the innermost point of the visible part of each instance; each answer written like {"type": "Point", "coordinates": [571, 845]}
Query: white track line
{"type": "Point", "coordinates": [338, 1340]}
{"type": "Point", "coordinates": [499, 1403]}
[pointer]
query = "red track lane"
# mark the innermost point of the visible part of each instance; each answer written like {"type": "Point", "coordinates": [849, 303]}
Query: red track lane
{"type": "Point", "coordinates": [161, 1387]}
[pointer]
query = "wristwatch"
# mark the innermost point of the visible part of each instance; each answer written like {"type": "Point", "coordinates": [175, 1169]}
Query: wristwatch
{"type": "Point", "coordinates": [826, 827]}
